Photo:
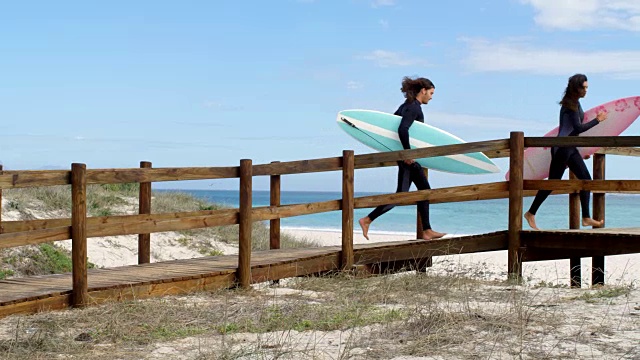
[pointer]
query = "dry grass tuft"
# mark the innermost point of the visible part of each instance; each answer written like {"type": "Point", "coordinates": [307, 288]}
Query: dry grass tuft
{"type": "Point", "coordinates": [336, 316]}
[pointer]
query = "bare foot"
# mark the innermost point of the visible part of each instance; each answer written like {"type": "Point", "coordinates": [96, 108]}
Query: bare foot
{"type": "Point", "coordinates": [364, 224]}
{"type": "Point", "coordinates": [432, 235]}
{"type": "Point", "coordinates": [531, 219]}
{"type": "Point", "coordinates": [591, 222]}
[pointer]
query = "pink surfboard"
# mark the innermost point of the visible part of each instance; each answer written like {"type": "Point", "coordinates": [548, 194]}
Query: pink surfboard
{"type": "Point", "coordinates": [622, 113]}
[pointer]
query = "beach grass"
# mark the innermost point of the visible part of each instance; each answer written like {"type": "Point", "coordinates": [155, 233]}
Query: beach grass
{"type": "Point", "coordinates": [335, 316]}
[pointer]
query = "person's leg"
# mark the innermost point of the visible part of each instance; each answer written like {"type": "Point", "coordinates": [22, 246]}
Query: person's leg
{"type": "Point", "coordinates": [418, 177]}
{"type": "Point", "coordinates": [579, 168]}
{"type": "Point", "coordinates": [404, 182]}
{"type": "Point", "coordinates": [556, 170]}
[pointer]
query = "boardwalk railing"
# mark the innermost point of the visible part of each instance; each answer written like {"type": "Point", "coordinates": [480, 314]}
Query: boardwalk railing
{"type": "Point", "coordinates": [80, 227]}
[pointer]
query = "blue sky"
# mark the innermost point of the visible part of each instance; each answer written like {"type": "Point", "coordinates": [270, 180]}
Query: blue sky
{"type": "Point", "coordinates": [207, 83]}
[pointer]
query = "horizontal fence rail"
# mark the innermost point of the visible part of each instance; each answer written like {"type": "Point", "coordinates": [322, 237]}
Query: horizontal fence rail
{"type": "Point", "coordinates": [577, 185]}
{"type": "Point", "coordinates": [119, 176]}
{"type": "Point", "coordinates": [24, 179]}
{"type": "Point", "coordinates": [583, 141]}
{"type": "Point", "coordinates": [623, 151]}
{"type": "Point", "coordinates": [390, 158]}
{"type": "Point", "coordinates": [10, 179]}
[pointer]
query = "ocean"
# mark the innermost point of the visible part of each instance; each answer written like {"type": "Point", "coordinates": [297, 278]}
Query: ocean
{"type": "Point", "coordinates": [464, 218]}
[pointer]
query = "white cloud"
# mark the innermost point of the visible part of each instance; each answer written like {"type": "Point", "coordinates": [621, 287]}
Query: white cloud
{"type": "Point", "coordinates": [486, 123]}
{"type": "Point", "coordinates": [587, 14]}
{"type": "Point", "coordinates": [220, 106]}
{"type": "Point", "coordinates": [380, 3]}
{"type": "Point", "coordinates": [353, 85]}
{"type": "Point", "coordinates": [384, 24]}
{"type": "Point", "coordinates": [521, 57]}
{"type": "Point", "coordinates": [384, 58]}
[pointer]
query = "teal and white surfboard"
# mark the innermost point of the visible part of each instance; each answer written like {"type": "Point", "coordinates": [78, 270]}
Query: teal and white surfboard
{"type": "Point", "coordinates": [379, 131]}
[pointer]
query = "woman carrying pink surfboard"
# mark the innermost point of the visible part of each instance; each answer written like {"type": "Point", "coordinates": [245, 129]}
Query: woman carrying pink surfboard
{"type": "Point", "coordinates": [571, 116]}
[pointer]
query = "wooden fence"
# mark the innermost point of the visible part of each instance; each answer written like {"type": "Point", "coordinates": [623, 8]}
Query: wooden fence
{"type": "Point", "coordinates": [80, 227]}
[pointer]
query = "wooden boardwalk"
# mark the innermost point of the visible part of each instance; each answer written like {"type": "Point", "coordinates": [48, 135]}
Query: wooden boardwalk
{"type": "Point", "coordinates": [40, 293]}
{"type": "Point", "coordinates": [50, 292]}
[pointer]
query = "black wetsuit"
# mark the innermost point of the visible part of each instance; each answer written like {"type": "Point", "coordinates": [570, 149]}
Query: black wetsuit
{"type": "Point", "coordinates": [407, 174]}
{"type": "Point", "coordinates": [561, 157]}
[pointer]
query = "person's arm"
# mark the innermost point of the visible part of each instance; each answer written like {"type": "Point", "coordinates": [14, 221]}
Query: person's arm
{"type": "Point", "coordinates": [572, 117]}
{"type": "Point", "coordinates": [410, 114]}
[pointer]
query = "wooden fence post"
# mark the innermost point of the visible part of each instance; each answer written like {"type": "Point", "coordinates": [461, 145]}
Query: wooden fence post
{"type": "Point", "coordinates": [348, 204]}
{"type": "Point", "coordinates": [516, 168]}
{"type": "Point", "coordinates": [597, 262]}
{"type": "Point", "coordinates": [245, 222]}
{"type": "Point", "coordinates": [274, 200]}
{"type": "Point", "coordinates": [424, 263]}
{"type": "Point", "coordinates": [144, 207]}
{"type": "Point", "coordinates": [79, 234]}
{"type": "Point", "coordinates": [575, 272]}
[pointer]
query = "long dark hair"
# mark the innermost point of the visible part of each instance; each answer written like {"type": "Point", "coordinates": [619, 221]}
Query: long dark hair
{"type": "Point", "coordinates": [574, 91]}
{"type": "Point", "coordinates": [411, 87]}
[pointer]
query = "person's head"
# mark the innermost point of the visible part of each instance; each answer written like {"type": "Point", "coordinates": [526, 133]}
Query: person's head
{"type": "Point", "coordinates": [576, 88]}
{"type": "Point", "coordinates": [420, 89]}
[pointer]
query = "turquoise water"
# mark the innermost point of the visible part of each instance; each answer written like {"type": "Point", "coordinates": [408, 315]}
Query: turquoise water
{"type": "Point", "coordinates": [473, 217]}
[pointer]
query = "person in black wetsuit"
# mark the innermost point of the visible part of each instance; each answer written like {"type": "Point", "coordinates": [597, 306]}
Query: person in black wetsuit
{"type": "Point", "coordinates": [417, 92]}
{"type": "Point", "coordinates": [571, 116]}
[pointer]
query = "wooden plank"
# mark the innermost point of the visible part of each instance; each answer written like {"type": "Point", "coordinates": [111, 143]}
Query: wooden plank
{"type": "Point", "coordinates": [516, 168]}
{"type": "Point", "coordinates": [142, 224]}
{"type": "Point", "coordinates": [145, 291]}
{"type": "Point", "coordinates": [284, 211]}
{"type": "Point", "coordinates": [12, 290]}
{"type": "Point", "coordinates": [245, 221]}
{"type": "Point", "coordinates": [428, 262]}
{"type": "Point", "coordinates": [577, 185]}
{"type": "Point", "coordinates": [378, 159]}
{"type": "Point", "coordinates": [302, 267]}
{"type": "Point", "coordinates": [118, 176]}
{"type": "Point", "coordinates": [298, 167]}
{"type": "Point", "coordinates": [274, 202]}
{"type": "Point", "coordinates": [134, 224]}
{"type": "Point", "coordinates": [13, 179]}
{"type": "Point", "coordinates": [346, 258]}
{"type": "Point", "coordinates": [459, 193]}
{"type": "Point", "coordinates": [412, 250]}
{"type": "Point", "coordinates": [29, 225]}
{"type": "Point", "coordinates": [622, 151]}
{"type": "Point", "coordinates": [583, 141]}
{"type": "Point", "coordinates": [597, 262]}
{"type": "Point", "coordinates": [144, 208]}
{"type": "Point", "coordinates": [35, 306]}
{"type": "Point", "coordinates": [121, 220]}
{"type": "Point", "coordinates": [575, 269]}
{"type": "Point", "coordinates": [79, 234]}
{"type": "Point", "coordinates": [155, 223]}
{"type": "Point", "coordinates": [34, 237]}
{"type": "Point", "coordinates": [495, 154]}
